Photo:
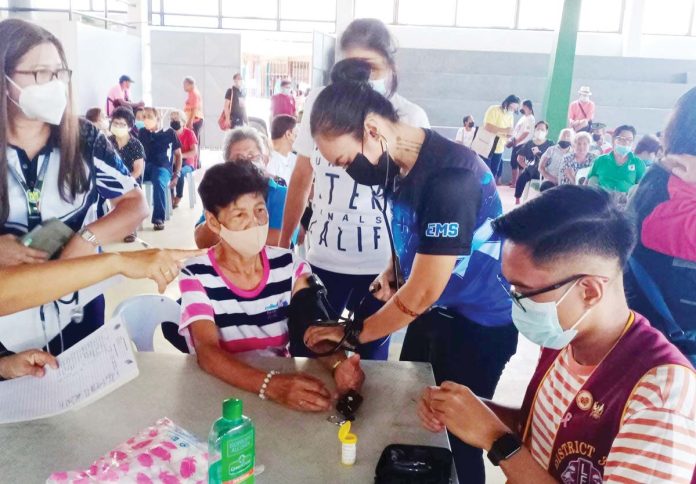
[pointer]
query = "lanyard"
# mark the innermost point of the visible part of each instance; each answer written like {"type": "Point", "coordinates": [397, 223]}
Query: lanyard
{"type": "Point", "coordinates": [33, 195]}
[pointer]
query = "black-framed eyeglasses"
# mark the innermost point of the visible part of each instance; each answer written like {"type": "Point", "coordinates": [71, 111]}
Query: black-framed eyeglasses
{"type": "Point", "coordinates": [517, 296]}
{"type": "Point", "coordinates": [43, 76]}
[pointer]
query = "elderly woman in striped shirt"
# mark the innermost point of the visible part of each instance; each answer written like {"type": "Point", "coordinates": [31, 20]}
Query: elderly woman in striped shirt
{"type": "Point", "coordinates": [236, 298]}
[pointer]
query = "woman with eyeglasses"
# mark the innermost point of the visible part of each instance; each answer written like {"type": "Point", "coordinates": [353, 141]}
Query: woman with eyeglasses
{"type": "Point", "coordinates": [442, 199]}
{"type": "Point", "coordinates": [245, 145]}
{"type": "Point", "coordinates": [54, 165]}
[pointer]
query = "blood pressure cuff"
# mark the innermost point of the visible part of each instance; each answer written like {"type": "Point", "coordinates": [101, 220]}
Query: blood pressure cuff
{"type": "Point", "coordinates": [305, 309]}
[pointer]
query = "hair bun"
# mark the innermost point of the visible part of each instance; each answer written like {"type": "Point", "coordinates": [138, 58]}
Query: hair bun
{"type": "Point", "coordinates": [352, 71]}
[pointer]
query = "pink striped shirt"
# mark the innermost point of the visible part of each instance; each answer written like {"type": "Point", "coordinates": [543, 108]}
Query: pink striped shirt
{"type": "Point", "coordinates": [657, 438]}
{"type": "Point", "coordinates": [247, 320]}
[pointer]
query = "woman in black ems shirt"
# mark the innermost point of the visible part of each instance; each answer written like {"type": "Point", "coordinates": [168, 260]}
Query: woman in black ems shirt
{"type": "Point", "coordinates": [442, 198]}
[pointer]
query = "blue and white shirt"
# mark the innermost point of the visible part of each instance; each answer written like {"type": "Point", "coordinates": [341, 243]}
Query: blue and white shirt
{"type": "Point", "coordinates": [444, 206]}
{"type": "Point", "coordinates": [107, 177]}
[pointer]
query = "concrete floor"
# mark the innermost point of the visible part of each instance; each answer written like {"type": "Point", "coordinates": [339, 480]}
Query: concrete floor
{"type": "Point", "coordinates": [179, 234]}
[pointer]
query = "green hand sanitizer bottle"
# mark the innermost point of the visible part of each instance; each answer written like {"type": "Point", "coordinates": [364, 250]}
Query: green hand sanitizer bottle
{"type": "Point", "coordinates": [231, 450]}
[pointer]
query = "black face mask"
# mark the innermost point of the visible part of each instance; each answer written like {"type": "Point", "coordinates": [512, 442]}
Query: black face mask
{"type": "Point", "coordinates": [596, 137]}
{"type": "Point", "coordinates": [564, 144]}
{"type": "Point", "coordinates": [175, 125]}
{"type": "Point", "coordinates": [470, 124]}
{"type": "Point", "coordinates": [365, 173]}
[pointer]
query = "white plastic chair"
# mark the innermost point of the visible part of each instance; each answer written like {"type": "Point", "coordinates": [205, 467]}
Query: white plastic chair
{"type": "Point", "coordinates": [167, 199]}
{"type": "Point", "coordinates": [191, 182]}
{"type": "Point", "coordinates": [532, 189]}
{"type": "Point", "coordinates": [143, 314]}
{"type": "Point", "coordinates": [581, 175]}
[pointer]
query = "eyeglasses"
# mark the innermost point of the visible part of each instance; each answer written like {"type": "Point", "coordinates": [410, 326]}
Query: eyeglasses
{"type": "Point", "coordinates": [517, 297]}
{"type": "Point", "coordinates": [43, 76]}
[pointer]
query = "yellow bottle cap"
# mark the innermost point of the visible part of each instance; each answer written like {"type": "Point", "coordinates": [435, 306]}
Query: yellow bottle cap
{"type": "Point", "coordinates": [345, 436]}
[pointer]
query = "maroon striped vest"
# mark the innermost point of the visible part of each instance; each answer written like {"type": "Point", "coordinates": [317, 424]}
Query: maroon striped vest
{"type": "Point", "coordinates": [592, 421]}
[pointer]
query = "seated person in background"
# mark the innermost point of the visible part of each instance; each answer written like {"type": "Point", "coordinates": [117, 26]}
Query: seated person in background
{"type": "Point", "coordinates": [189, 151]}
{"type": "Point", "coordinates": [581, 112]}
{"type": "Point", "coordinates": [245, 145]}
{"type": "Point", "coordinates": [619, 170]}
{"type": "Point", "coordinates": [162, 161]}
{"type": "Point", "coordinates": [139, 114]}
{"type": "Point", "coordinates": [529, 156]}
{"type": "Point", "coordinates": [128, 147]}
{"type": "Point", "coordinates": [521, 134]}
{"type": "Point", "coordinates": [52, 280]}
{"type": "Point", "coordinates": [664, 205]}
{"type": "Point", "coordinates": [647, 149]}
{"type": "Point", "coordinates": [236, 298]}
{"type": "Point", "coordinates": [97, 118]}
{"type": "Point", "coordinates": [611, 399]}
{"type": "Point", "coordinates": [465, 134]}
{"type": "Point", "coordinates": [600, 146]}
{"type": "Point", "coordinates": [283, 135]}
{"type": "Point", "coordinates": [552, 159]}
{"type": "Point", "coordinates": [119, 95]}
{"type": "Point", "coordinates": [579, 159]}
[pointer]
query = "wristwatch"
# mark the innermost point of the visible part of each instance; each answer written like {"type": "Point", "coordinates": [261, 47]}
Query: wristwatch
{"type": "Point", "coordinates": [88, 236]}
{"type": "Point", "coordinates": [504, 448]}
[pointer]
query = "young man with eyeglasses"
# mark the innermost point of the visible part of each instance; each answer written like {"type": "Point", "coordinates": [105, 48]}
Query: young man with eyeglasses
{"type": "Point", "coordinates": [611, 399]}
{"type": "Point", "coordinates": [621, 169]}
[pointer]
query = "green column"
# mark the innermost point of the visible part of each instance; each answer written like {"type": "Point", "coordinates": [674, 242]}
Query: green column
{"type": "Point", "coordinates": [561, 64]}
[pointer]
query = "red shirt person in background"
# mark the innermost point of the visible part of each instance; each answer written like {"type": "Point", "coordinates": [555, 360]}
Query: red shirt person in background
{"type": "Point", "coordinates": [189, 151]}
{"type": "Point", "coordinates": [283, 102]}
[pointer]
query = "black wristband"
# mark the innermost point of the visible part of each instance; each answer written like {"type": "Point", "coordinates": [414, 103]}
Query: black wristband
{"type": "Point", "coordinates": [353, 331]}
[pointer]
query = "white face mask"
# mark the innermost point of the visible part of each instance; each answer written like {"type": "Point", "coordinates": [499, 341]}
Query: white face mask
{"type": "Point", "coordinates": [540, 135]}
{"type": "Point", "coordinates": [247, 243]}
{"type": "Point", "coordinates": [45, 102]}
{"type": "Point", "coordinates": [584, 98]}
{"type": "Point", "coordinates": [540, 324]}
{"type": "Point", "coordinates": [379, 85]}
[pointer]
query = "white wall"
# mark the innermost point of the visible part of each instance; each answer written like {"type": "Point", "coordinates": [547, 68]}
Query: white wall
{"type": "Point", "coordinates": [211, 58]}
{"type": "Point", "coordinates": [97, 58]}
{"type": "Point", "coordinates": [102, 57]}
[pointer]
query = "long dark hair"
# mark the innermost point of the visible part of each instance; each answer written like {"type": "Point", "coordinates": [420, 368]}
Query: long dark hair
{"type": "Point", "coordinates": [511, 99]}
{"type": "Point", "coordinates": [372, 34]}
{"type": "Point", "coordinates": [17, 37]}
{"type": "Point", "coordinates": [342, 106]}
{"type": "Point", "coordinates": [679, 136]}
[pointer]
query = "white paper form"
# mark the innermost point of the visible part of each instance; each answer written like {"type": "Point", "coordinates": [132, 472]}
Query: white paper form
{"type": "Point", "coordinates": [91, 369]}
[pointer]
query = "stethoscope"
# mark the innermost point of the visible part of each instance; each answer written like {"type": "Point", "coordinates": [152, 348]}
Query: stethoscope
{"type": "Point", "coordinates": [76, 316]}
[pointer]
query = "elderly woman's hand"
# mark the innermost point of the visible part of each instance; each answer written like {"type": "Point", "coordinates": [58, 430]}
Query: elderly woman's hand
{"type": "Point", "coordinates": [299, 391]}
{"type": "Point", "coordinates": [348, 375]}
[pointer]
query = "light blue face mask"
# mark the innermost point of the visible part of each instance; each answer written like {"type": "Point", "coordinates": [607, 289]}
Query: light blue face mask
{"type": "Point", "coordinates": [540, 324]}
{"type": "Point", "coordinates": [139, 124]}
{"type": "Point", "coordinates": [379, 85]}
{"type": "Point", "coordinates": [622, 150]}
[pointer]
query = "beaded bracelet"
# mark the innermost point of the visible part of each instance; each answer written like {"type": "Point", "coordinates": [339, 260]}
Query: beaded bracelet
{"type": "Point", "coordinates": [266, 381]}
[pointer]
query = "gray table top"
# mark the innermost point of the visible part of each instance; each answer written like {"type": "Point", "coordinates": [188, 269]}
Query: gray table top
{"type": "Point", "coordinates": [294, 447]}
